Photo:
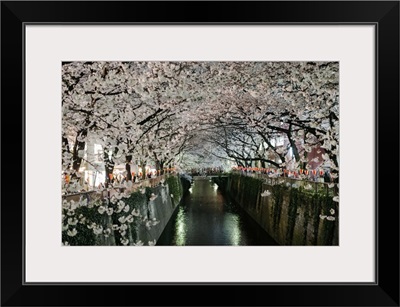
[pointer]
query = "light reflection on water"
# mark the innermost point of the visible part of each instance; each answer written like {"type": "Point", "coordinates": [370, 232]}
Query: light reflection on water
{"type": "Point", "coordinates": [206, 217]}
{"type": "Point", "coordinates": [180, 227]}
{"type": "Point", "coordinates": [233, 225]}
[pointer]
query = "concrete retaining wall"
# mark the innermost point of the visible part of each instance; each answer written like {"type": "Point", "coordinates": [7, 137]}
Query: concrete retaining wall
{"type": "Point", "coordinates": [153, 213]}
{"type": "Point", "coordinates": [291, 215]}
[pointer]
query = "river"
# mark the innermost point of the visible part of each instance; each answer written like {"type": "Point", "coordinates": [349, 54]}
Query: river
{"type": "Point", "coordinates": [206, 216]}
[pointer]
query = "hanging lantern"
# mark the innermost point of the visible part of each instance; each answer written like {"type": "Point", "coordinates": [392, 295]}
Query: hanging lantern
{"type": "Point", "coordinates": [67, 178]}
{"type": "Point", "coordinates": [110, 176]}
{"type": "Point", "coordinates": [301, 171]}
{"type": "Point", "coordinates": [306, 171]}
{"type": "Point", "coordinates": [314, 172]}
{"type": "Point", "coordinates": [321, 172]}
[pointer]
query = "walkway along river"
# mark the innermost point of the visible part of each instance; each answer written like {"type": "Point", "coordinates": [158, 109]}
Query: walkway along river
{"type": "Point", "coordinates": [207, 217]}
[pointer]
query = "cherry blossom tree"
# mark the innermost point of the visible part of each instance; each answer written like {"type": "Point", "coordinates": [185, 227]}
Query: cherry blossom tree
{"type": "Point", "coordinates": [157, 111]}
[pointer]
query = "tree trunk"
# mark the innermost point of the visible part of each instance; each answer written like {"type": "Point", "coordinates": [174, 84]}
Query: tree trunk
{"type": "Point", "coordinates": [78, 146]}
{"type": "Point", "coordinates": [158, 166]}
{"type": "Point", "coordinates": [293, 144]}
{"type": "Point", "coordinates": [65, 149]}
{"type": "Point", "coordinates": [162, 167]}
{"type": "Point", "coordinates": [108, 166]}
{"type": "Point", "coordinates": [143, 166]}
{"type": "Point", "coordinates": [128, 168]}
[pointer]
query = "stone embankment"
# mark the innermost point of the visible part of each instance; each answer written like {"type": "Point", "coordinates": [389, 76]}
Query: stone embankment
{"type": "Point", "coordinates": [100, 218]}
{"type": "Point", "coordinates": [293, 212]}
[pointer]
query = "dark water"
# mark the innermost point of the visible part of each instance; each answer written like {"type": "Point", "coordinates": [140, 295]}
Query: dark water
{"type": "Point", "coordinates": [206, 217]}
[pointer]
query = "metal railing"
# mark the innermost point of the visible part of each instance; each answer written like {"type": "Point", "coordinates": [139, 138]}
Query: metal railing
{"type": "Point", "coordinates": [116, 189]}
{"type": "Point", "coordinates": [315, 186]}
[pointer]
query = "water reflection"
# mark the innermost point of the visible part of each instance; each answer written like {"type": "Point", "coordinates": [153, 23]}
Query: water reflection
{"type": "Point", "coordinates": [206, 217]}
{"type": "Point", "coordinates": [180, 227]}
{"type": "Point", "coordinates": [215, 186]}
{"type": "Point", "coordinates": [232, 222]}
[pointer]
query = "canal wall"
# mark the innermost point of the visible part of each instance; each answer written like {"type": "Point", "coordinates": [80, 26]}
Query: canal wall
{"type": "Point", "coordinates": [134, 218]}
{"type": "Point", "coordinates": [293, 212]}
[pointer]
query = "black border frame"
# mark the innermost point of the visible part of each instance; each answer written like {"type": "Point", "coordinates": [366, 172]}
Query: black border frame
{"type": "Point", "coordinates": [383, 14]}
